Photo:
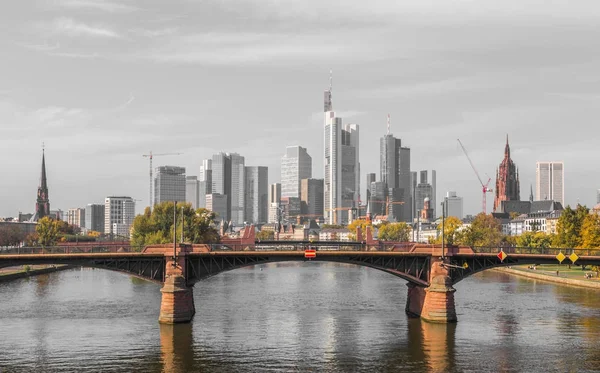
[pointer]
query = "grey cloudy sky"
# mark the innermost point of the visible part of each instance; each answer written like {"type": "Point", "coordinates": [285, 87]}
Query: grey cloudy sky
{"type": "Point", "coordinates": [103, 82]}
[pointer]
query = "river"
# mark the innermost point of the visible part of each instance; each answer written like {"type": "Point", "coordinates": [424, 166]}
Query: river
{"type": "Point", "coordinates": [289, 317]}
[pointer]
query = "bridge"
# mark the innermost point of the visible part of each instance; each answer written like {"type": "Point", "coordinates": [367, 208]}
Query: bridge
{"type": "Point", "coordinates": [431, 271]}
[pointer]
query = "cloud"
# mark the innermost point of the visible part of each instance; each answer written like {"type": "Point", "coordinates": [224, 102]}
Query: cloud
{"type": "Point", "coordinates": [107, 6]}
{"type": "Point", "coordinates": [70, 27]}
{"type": "Point", "coordinates": [40, 47]}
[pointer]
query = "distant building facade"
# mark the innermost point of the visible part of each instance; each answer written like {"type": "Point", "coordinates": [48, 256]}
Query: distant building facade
{"type": "Point", "coordinates": [550, 181]}
{"type": "Point", "coordinates": [311, 196]}
{"type": "Point", "coordinates": [395, 173]}
{"type": "Point", "coordinates": [454, 205]}
{"type": "Point", "coordinates": [257, 194]}
{"type": "Point", "coordinates": [119, 213]}
{"type": "Point", "coordinates": [217, 203]}
{"type": "Point", "coordinates": [192, 191]}
{"type": "Point", "coordinates": [424, 190]}
{"type": "Point", "coordinates": [94, 217]}
{"type": "Point", "coordinates": [507, 180]}
{"type": "Point", "coordinates": [296, 165]}
{"type": "Point", "coordinates": [274, 199]}
{"type": "Point", "coordinates": [169, 184]}
{"type": "Point", "coordinates": [76, 217]}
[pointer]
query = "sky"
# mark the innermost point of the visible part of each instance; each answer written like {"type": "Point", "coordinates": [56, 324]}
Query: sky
{"type": "Point", "coordinates": [100, 83]}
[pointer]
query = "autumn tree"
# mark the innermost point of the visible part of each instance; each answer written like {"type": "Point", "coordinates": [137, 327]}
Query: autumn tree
{"type": "Point", "coordinates": [156, 226]}
{"type": "Point", "coordinates": [395, 232]}
{"type": "Point", "coordinates": [485, 230]}
{"type": "Point", "coordinates": [265, 235]}
{"type": "Point", "coordinates": [535, 240]}
{"type": "Point", "coordinates": [47, 230]}
{"type": "Point", "coordinates": [11, 235]}
{"type": "Point", "coordinates": [590, 231]}
{"type": "Point", "coordinates": [362, 223]}
{"type": "Point", "coordinates": [568, 229]}
{"type": "Point", "coordinates": [452, 226]}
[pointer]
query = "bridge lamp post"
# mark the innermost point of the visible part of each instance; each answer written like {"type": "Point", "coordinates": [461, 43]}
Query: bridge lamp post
{"type": "Point", "coordinates": [174, 233]}
{"type": "Point", "coordinates": [443, 218]}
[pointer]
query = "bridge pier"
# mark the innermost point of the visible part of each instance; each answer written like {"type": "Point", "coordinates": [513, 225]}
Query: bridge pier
{"type": "Point", "coordinates": [436, 302]}
{"type": "Point", "coordinates": [177, 303]}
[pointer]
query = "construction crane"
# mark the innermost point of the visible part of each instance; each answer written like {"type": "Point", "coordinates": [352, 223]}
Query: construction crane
{"type": "Point", "coordinates": [388, 203]}
{"type": "Point", "coordinates": [151, 156]}
{"type": "Point", "coordinates": [484, 187]}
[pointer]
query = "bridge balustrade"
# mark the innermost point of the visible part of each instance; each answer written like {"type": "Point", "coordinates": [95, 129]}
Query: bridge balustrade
{"type": "Point", "coordinates": [68, 249]}
{"type": "Point", "coordinates": [535, 250]}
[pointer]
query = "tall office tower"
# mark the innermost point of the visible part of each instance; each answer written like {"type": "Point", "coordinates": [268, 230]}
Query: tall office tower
{"type": "Point", "coordinates": [76, 217]}
{"type": "Point", "coordinates": [94, 217]}
{"type": "Point", "coordinates": [454, 205]}
{"type": "Point", "coordinates": [274, 199]}
{"type": "Point", "coordinates": [290, 208]}
{"type": "Point", "coordinates": [350, 173]}
{"type": "Point", "coordinates": [311, 196]}
{"type": "Point", "coordinates": [169, 184]}
{"type": "Point", "coordinates": [257, 194]}
{"type": "Point", "coordinates": [378, 191]}
{"type": "Point", "coordinates": [424, 190]}
{"type": "Point", "coordinates": [204, 181]}
{"type": "Point", "coordinates": [550, 181]}
{"type": "Point", "coordinates": [395, 173]}
{"type": "Point", "coordinates": [433, 197]}
{"type": "Point", "coordinates": [217, 203]}
{"type": "Point", "coordinates": [413, 194]}
{"type": "Point", "coordinates": [221, 181]}
{"type": "Point", "coordinates": [238, 186]}
{"type": "Point", "coordinates": [296, 165]}
{"type": "Point", "coordinates": [507, 180]}
{"type": "Point", "coordinates": [371, 178]}
{"type": "Point", "coordinates": [119, 213]}
{"type": "Point", "coordinates": [42, 204]}
{"type": "Point", "coordinates": [192, 191]}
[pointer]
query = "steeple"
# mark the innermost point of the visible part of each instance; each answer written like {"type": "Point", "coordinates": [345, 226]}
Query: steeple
{"type": "Point", "coordinates": [530, 193]}
{"type": "Point", "coordinates": [42, 205]}
{"type": "Point", "coordinates": [507, 148]}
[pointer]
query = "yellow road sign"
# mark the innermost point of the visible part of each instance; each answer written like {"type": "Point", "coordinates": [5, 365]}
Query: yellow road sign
{"type": "Point", "coordinates": [573, 257]}
{"type": "Point", "coordinates": [561, 257]}
{"type": "Point", "coordinates": [465, 265]}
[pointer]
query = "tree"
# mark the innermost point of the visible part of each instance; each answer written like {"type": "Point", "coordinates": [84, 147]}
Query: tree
{"type": "Point", "coordinates": [590, 231]}
{"type": "Point", "coordinates": [395, 232]}
{"type": "Point", "coordinates": [11, 235]}
{"type": "Point", "coordinates": [265, 235]}
{"type": "Point", "coordinates": [485, 230]}
{"type": "Point", "coordinates": [156, 226]}
{"type": "Point", "coordinates": [535, 240]}
{"type": "Point", "coordinates": [47, 231]}
{"type": "Point", "coordinates": [362, 223]}
{"type": "Point", "coordinates": [452, 225]}
{"type": "Point", "coordinates": [568, 229]}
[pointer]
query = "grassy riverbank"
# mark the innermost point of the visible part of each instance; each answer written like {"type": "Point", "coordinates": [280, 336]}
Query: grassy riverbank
{"type": "Point", "coordinates": [13, 273]}
{"type": "Point", "coordinates": [556, 273]}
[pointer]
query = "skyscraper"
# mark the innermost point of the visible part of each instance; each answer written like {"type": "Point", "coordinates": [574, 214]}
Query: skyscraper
{"type": "Point", "coordinates": [228, 179]}
{"type": "Point", "coordinates": [42, 204]}
{"type": "Point", "coordinates": [192, 191]}
{"type": "Point", "coordinates": [257, 194]}
{"type": "Point", "coordinates": [507, 180]}
{"type": "Point", "coordinates": [205, 182]}
{"type": "Point", "coordinates": [119, 213]}
{"type": "Point", "coordinates": [169, 184]}
{"type": "Point", "coordinates": [395, 173]}
{"type": "Point", "coordinates": [341, 166]}
{"type": "Point", "coordinates": [221, 182]}
{"type": "Point", "coordinates": [76, 217]}
{"type": "Point", "coordinates": [296, 165]}
{"type": "Point", "coordinates": [550, 181]}
{"type": "Point", "coordinates": [425, 190]}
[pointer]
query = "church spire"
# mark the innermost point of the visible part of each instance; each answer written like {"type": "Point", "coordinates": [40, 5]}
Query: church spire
{"type": "Point", "coordinates": [530, 193]}
{"type": "Point", "coordinates": [507, 148]}
{"type": "Point", "coordinates": [42, 205]}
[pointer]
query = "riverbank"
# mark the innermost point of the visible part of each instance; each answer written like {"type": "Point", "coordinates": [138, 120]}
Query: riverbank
{"type": "Point", "coordinates": [13, 273]}
{"type": "Point", "coordinates": [549, 274]}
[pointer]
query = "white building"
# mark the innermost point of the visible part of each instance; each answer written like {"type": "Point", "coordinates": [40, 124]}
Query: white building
{"type": "Point", "coordinates": [341, 166]}
{"type": "Point", "coordinates": [454, 205]}
{"type": "Point", "coordinates": [119, 213]}
{"type": "Point", "coordinates": [550, 181]}
{"type": "Point", "coordinates": [169, 184]}
{"type": "Point", "coordinates": [76, 217]}
{"type": "Point", "coordinates": [296, 165]}
{"type": "Point", "coordinates": [274, 201]}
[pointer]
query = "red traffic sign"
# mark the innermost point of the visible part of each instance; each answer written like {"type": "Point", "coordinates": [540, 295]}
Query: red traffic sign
{"type": "Point", "coordinates": [309, 254]}
{"type": "Point", "coordinates": [501, 255]}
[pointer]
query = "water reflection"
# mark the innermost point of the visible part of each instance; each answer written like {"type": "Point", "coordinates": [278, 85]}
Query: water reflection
{"type": "Point", "coordinates": [176, 348]}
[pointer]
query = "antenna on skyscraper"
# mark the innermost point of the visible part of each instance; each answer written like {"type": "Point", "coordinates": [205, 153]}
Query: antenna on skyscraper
{"type": "Point", "coordinates": [388, 124]}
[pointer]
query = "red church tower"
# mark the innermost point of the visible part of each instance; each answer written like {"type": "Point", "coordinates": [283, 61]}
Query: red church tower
{"type": "Point", "coordinates": [42, 205]}
{"type": "Point", "coordinates": [507, 180]}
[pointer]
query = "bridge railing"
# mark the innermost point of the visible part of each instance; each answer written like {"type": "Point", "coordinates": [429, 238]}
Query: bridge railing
{"type": "Point", "coordinates": [290, 246]}
{"type": "Point", "coordinates": [106, 248]}
{"type": "Point", "coordinates": [536, 250]}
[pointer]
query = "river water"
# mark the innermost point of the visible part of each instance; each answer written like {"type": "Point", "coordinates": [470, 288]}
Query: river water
{"type": "Point", "coordinates": [315, 317]}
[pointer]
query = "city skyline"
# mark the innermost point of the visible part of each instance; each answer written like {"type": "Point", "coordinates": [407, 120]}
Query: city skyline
{"type": "Point", "coordinates": [108, 62]}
